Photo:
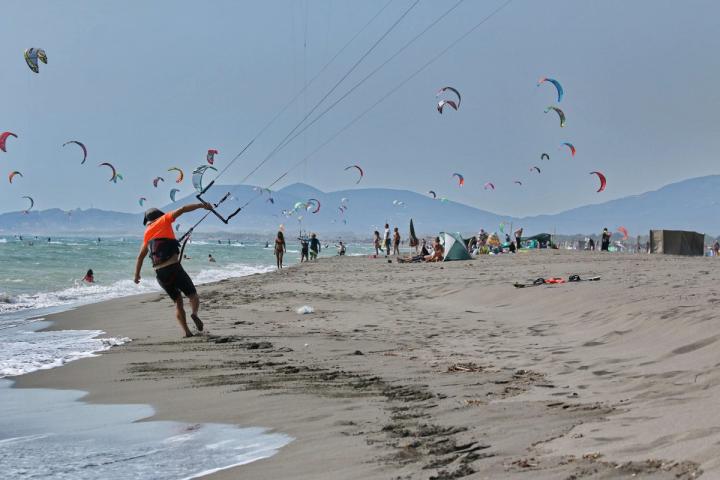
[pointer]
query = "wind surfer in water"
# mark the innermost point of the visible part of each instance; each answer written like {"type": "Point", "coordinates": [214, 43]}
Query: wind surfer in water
{"type": "Point", "coordinates": [159, 240]}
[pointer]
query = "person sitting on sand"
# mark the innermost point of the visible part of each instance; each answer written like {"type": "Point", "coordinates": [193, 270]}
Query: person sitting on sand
{"type": "Point", "coordinates": [159, 240]}
{"type": "Point", "coordinates": [423, 249]}
{"type": "Point", "coordinates": [314, 247]}
{"type": "Point", "coordinates": [376, 243]}
{"type": "Point", "coordinates": [89, 277]}
{"type": "Point", "coordinates": [438, 252]}
{"type": "Point", "coordinates": [280, 249]}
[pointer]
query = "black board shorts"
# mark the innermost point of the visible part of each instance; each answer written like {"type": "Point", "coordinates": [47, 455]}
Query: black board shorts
{"type": "Point", "coordinates": [174, 279]}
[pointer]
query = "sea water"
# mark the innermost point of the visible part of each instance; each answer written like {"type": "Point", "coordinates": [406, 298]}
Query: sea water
{"type": "Point", "coordinates": [51, 434]}
{"type": "Point", "coordinates": [48, 434]}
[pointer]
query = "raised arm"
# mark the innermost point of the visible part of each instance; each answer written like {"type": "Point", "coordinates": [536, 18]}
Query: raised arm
{"type": "Point", "coordinates": [138, 264]}
{"type": "Point", "coordinates": [190, 208]}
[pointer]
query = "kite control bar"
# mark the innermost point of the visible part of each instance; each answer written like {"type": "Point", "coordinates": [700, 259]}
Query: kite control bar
{"type": "Point", "coordinates": [225, 220]}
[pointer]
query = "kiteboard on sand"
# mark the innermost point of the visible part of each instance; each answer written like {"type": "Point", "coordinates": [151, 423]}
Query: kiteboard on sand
{"type": "Point", "coordinates": [555, 280]}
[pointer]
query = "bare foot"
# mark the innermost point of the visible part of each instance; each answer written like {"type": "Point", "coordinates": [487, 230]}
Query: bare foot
{"type": "Point", "coordinates": [198, 323]}
{"type": "Point", "coordinates": [188, 335]}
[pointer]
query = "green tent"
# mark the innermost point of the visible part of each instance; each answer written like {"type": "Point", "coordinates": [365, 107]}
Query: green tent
{"type": "Point", "coordinates": [455, 248]}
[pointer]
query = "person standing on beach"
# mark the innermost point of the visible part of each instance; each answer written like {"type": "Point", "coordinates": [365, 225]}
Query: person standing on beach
{"type": "Point", "coordinates": [159, 240]}
{"type": "Point", "coordinates": [605, 241]}
{"type": "Point", "coordinates": [396, 241]}
{"type": "Point", "coordinates": [304, 246]}
{"type": "Point", "coordinates": [386, 240]}
{"type": "Point", "coordinates": [280, 249]}
{"type": "Point", "coordinates": [518, 238]}
{"type": "Point", "coordinates": [376, 243]}
{"type": "Point", "coordinates": [314, 247]}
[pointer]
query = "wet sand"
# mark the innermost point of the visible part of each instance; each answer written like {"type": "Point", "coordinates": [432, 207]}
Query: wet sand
{"type": "Point", "coordinates": [435, 371]}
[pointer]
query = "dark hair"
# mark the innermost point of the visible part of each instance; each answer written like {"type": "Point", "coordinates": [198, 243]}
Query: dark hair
{"type": "Point", "coordinates": [387, 226]}
{"type": "Point", "coordinates": [89, 272]}
{"type": "Point", "coordinates": [377, 233]}
{"type": "Point", "coordinates": [152, 214]}
{"type": "Point", "coordinates": [281, 236]}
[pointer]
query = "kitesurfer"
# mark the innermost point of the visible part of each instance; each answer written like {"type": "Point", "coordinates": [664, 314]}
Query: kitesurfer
{"type": "Point", "coordinates": [159, 240]}
{"type": "Point", "coordinates": [314, 247]}
{"type": "Point", "coordinates": [304, 245]}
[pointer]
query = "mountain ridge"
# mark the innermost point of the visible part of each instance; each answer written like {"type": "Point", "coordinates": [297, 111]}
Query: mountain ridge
{"type": "Point", "coordinates": [683, 205]}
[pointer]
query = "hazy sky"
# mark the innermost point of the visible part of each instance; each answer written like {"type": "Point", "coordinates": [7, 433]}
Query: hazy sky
{"type": "Point", "coordinates": [152, 84]}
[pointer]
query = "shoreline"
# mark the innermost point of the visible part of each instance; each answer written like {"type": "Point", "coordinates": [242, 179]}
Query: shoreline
{"type": "Point", "coordinates": [425, 371]}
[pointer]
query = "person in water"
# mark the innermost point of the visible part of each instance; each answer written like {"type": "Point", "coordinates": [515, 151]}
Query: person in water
{"type": "Point", "coordinates": [159, 240]}
{"type": "Point", "coordinates": [211, 259]}
{"type": "Point", "coordinates": [280, 249]}
{"type": "Point", "coordinates": [89, 277]}
{"type": "Point", "coordinates": [314, 247]}
{"type": "Point", "coordinates": [341, 248]}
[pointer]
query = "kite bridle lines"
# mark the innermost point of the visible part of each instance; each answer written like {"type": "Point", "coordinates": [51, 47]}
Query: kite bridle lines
{"type": "Point", "coordinates": [287, 105]}
{"type": "Point", "coordinates": [382, 99]}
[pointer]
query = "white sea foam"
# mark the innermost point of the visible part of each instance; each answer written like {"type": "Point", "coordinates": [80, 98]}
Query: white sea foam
{"type": "Point", "coordinates": [23, 349]}
{"type": "Point", "coordinates": [50, 434]}
{"type": "Point", "coordinates": [81, 293]}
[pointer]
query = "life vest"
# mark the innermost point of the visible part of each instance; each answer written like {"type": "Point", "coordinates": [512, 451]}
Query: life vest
{"type": "Point", "coordinates": [163, 249]}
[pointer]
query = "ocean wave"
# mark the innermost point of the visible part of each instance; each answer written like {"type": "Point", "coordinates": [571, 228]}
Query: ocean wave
{"type": "Point", "coordinates": [25, 350]}
{"type": "Point", "coordinates": [81, 293]}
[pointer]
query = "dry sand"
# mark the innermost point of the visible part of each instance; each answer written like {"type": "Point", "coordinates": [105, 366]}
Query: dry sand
{"type": "Point", "coordinates": [436, 370]}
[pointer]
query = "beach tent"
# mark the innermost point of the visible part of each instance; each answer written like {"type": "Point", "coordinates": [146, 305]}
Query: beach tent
{"type": "Point", "coordinates": [454, 247]}
{"type": "Point", "coordinates": [677, 242]}
{"type": "Point", "coordinates": [544, 239]}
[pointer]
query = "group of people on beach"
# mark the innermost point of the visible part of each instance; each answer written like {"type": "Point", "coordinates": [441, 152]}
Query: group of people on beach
{"type": "Point", "coordinates": [387, 239]}
{"type": "Point", "coordinates": [310, 248]}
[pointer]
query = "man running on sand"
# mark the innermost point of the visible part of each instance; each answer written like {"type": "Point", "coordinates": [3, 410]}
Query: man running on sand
{"type": "Point", "coordinates": [159, 240]}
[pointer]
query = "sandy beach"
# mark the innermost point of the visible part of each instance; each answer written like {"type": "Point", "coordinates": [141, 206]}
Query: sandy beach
{"type": "Point", "coordinates": [434, 371]}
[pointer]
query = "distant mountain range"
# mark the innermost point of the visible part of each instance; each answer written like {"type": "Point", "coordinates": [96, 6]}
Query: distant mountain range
{"type": "Point", "coordinates": [686, 205]}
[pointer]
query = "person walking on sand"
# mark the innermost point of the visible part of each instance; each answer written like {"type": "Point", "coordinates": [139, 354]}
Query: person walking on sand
{"type": "Point", "coordinates": [280, 249]}
{"type": "Point", "coordinates": [605, 241]}
{"type": "Point", "coordinates": [159, 240]}
{"type": "Point", "coordinates": [304, 247]}
{"type": "Point", "coordinates": [376, 243]}
{"type": "Point", "coordinates": [396, 241]}
{"type": "Point", "coordinates": [386, 240]}
{"type": "Point", "coordinates": [314, 247]}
